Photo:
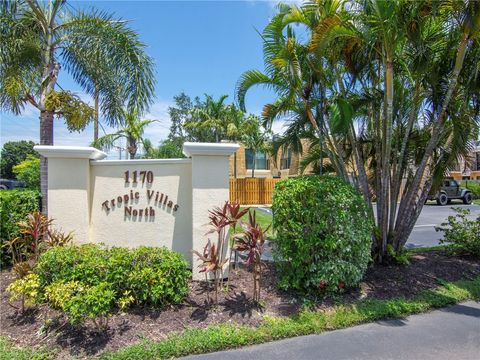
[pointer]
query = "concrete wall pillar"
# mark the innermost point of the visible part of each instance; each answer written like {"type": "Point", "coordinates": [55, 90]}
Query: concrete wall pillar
{"type": "Point", "coordinates": [210, 187]}
{"type": "Point", "coordinates": [69, 187]}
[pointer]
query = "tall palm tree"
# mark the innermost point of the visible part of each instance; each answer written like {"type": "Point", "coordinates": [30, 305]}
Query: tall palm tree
{"type": "Point", "coordinates": [132, 131]}
{"type": "Point", "coordinates": [255, 139]}
{"type": "Point", "coordinates": [210, 117]}
{"type": "Point", "coordinates": [103, 55]}
{"type": "Point", "coordinates": [399, 98]}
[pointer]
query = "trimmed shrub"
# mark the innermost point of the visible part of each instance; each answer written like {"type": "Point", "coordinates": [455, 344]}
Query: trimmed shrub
{"type": "Point", "coordinates": [324, 234]}
{"type": "Point", "coordinates": [151, 276]}
{"type": "Point", "coordinates": [461, 234]}
{"type": "Point", "coordinates": [15, 205]}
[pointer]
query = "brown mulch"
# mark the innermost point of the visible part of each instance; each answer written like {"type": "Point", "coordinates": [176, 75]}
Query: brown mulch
{"type": "Point", "coordinates": [235, 306]}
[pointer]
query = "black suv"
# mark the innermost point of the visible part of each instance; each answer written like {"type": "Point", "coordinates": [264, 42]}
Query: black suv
{"type": "Point", "coordinates": [449, 190]}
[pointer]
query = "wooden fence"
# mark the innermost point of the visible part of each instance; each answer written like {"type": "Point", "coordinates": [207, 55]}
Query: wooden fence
{"type": "Point", "coordinates": [252, 191]}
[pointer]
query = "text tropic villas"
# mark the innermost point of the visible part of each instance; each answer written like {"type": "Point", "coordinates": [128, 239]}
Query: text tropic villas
{"type": "Point", "coordinates": [155, 198]}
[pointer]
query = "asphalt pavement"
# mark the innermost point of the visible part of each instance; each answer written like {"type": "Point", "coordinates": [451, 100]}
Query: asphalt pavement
{"type": "Point", "coordinates": [452, 333]}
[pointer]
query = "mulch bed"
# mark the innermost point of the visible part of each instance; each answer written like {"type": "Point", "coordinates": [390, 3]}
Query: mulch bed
{"type": "Point", "coordinates": [380, 282]}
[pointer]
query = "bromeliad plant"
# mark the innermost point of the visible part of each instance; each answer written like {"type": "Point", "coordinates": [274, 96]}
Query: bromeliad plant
{"type": "Point", "coordinates": [252, 241]}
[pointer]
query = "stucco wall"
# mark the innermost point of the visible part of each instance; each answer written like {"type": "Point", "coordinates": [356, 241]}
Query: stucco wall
{"type": "Point", "coordinates": [93, 198]}
{"type": "Point", "coordinates": [115, 226]}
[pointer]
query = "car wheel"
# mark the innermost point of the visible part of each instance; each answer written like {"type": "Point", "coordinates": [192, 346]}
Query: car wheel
{"type": "Point", "coordinates": [442, 199]}
{"type": "Point", "coordinates": [3, 187]}
{"type": "Point", "coordinates": [467, 199]}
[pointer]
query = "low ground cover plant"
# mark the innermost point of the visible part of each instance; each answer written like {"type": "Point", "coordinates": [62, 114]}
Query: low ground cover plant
{"type": "Point", "coordinates": [461, 234]}
{"type": "Point", "coordinates": [323, 231]}
{"type": "Point", "coordinates": [15, 205]}
{"type": "Point", "coordinates": [90, 281]}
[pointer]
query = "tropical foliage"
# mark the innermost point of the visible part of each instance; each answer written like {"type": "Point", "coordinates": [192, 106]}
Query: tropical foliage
{"type": "Point", "coordinates": [167, 150]}
{"type": "Point", "coordinates": [102, 54]}
{"type": "Point", "coordinates": [15, 205]}
{"type": "Point", "coordinates": [28, 171]}
{"type": "Point", "coordinates": [461, 233]}
{"type": "Point", "coordinates": [132, 131]}
{"type": "Point", "coordinates": [13, 153]}
{"type": "Point", "coordinates": [91, 281]}
{"type": "Point", "coordinates": [389, 90]}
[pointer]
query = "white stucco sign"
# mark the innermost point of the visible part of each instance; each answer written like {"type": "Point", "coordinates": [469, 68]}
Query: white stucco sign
{"type": "Point", "coordinates": [162, 202]}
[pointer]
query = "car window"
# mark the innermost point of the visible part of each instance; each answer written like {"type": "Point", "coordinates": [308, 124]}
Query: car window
{"type": "Point", "coordinates": [453, 183]}
{"type": "Point", "coordinates": [446, 183]}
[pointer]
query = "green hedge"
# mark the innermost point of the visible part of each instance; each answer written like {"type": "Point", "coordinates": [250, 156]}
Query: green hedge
{"type": "Point", "coordinates": [14, 207]}
{"type": "Point", "coordinates": [150, 276]}
{"type": "Point", "coordinates": [324, 234]}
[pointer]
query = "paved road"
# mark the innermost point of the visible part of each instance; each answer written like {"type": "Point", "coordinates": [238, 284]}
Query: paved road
{"type": "Point", "coordinates": [432, 215]}
{"type": "Point", "coordinates": [449, 334]}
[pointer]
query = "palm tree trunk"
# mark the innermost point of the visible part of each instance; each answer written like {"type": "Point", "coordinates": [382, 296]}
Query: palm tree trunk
{"type": "Point", "coordinates": [415, 198]}
{"type": "Point", "coordinates": [386, 157]}
{"type": "Point", "coordinates": [95, 120]}
{"type": "Point", "coordinates": [46, 138]}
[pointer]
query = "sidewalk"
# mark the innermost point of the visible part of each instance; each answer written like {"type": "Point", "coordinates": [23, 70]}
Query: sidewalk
{"type": "Point", "coordinates": [446, 334]}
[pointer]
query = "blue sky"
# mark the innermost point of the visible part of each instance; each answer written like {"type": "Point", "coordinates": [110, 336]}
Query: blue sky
{"type": "Point", "coordinates": [198, 47]}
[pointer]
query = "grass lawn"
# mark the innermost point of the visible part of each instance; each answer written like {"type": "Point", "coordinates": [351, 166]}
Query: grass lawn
{"type": "Point", "coordinates": [8, 351]}
{"type": "Point", "coordinates": [263, 219]}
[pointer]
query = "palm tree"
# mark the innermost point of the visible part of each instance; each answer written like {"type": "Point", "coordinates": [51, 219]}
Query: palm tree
{"type": "Point", "coordinates": [255, 139]}
{"type": "Point", "coordinates": [210, 118]}
{"type": "Point", "coordinates": [132, 131]}
{"type": "Point", "coordinates": [396, 85]}
{"type": "Point", "coordinates": [103, 55]}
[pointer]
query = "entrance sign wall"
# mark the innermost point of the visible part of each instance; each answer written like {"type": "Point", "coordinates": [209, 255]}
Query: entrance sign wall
{"type": "Point", "coordinates": [161, 202]}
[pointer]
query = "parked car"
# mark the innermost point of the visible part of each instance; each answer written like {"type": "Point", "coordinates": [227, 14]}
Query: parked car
{"type": "Point", "coordinates": [449, 190]}
{"type": "Point", "coordinates": [6, 184]}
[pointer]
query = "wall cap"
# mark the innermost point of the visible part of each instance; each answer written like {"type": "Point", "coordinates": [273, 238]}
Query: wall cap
{"type": "Point", "coordinates": [141, 162]}
{"type": "Point", "coordinates": [213, 149]}
{"type": "Point", "coordinates": [71, 152]}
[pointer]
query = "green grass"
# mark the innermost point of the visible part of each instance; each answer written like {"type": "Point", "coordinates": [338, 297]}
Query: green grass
{"type": "Point", "coordinates": [426, 249]}
{"type": "Point", "coordinates": [228, 336]}
{"type": "Point", "coordinates": [263, 219]}
{"type": "Point", "coordinates": [8, 351]}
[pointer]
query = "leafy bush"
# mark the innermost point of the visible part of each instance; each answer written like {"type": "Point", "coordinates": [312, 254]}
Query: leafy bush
{"type": "Point", "coordinates": [149, 276]}
{"type": "Point", "coordinates": [323, 234]}
{"type": "Point", "coordinates": [82, 302]}
{"type": "Point", "coordinates": [474, 187]}
{"type": "Point", "coordinates": [14, 152]}
{"type": "Point", "coordinates": [15, 205]}
{"type": "Point", "coordinates": [460, 233]}
{"type": "Point", "coordinates": [28, 171]}
{"type": "Point", "coordinates": [24, 289]}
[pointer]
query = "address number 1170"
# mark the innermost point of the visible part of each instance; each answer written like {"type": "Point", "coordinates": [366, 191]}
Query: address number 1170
{"type": "Point", "coordinates": [139, 176]}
